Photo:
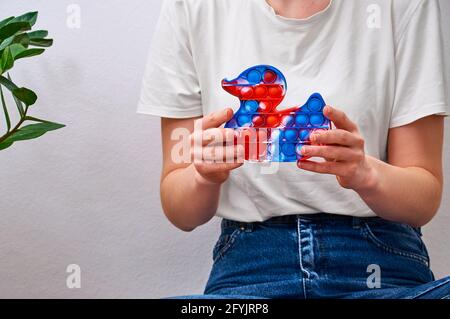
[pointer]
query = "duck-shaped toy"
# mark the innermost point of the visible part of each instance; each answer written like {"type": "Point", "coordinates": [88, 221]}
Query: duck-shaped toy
{"type": "Point", "coordinates": [278, 136]}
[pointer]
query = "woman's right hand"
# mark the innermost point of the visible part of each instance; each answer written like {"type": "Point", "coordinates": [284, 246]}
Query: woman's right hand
{"type": "Point", "coordinates": [214, 152]}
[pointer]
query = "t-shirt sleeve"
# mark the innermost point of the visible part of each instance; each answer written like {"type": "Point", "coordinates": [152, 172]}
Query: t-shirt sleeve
{"type": "Point", "coordinates": [420, 88]}
{"type": "Point", "coordinates": [170, 86]}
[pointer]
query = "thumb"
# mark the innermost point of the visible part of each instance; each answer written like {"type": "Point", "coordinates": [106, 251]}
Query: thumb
{"type": "Point", "coordinates": [216, 119]}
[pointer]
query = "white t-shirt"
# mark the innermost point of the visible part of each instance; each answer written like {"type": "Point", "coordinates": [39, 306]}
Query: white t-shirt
{"type": "Point", "coordinates": [380, 61]}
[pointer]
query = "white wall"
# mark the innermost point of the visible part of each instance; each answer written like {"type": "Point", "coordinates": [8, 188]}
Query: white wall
{"type": "Point", "coordinates": [88, 194]}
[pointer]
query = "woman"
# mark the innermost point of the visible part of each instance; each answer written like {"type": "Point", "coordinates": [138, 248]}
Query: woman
{"type": "Point", "coordinates": [344, 227]}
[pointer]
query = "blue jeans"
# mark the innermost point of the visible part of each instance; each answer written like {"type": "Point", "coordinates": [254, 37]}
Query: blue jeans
{"type": "Point", "coordinates": [322, 256]}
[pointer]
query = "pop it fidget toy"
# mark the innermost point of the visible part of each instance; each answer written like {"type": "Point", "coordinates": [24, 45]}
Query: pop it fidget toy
{"type": "Point", "coordinates": [261, 89]}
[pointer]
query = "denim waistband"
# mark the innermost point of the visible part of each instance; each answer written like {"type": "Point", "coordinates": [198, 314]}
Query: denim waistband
{"type": "Point", "coordinates": [293, 219]}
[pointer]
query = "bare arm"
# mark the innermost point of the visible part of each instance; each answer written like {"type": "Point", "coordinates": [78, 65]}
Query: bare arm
{"type": "Point", "coordinates": [408, 188]}
{"type": "Point", "coordinates": [190, 191]}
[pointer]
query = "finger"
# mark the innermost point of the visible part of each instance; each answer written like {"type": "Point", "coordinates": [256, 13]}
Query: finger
{"type": "Point", "coordinates": [337, 137]}
{"type": "Point", "coordinates": [223, 154]}
{"type": "Point", "coordinates": [219, 136]}
{"type": "Point", "coordinates": [263, 135]}
{"type": "Point", "coordinates": [331, 168]}
{"type": "Point", "coordinates": [216, 119]}
{"type": "Point", "coordinates": [340, 119]}
{"type": "Point", "coordinates": [332, 153]}
{"type": "Point", "coordinates": [205, 168]}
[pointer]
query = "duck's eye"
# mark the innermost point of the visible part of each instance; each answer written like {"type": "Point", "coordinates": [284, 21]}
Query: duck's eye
{"type": "Point", "coordinates": [254, 77]}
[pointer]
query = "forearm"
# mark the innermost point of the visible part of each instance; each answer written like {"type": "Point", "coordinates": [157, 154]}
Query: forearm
{"type": "Point", "coordinates": [187, 199]}
{"type": "Point", "coordinates": [409, 195]}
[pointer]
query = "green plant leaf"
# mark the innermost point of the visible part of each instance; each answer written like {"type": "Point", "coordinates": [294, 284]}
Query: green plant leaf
{"type": "Point", "coordinates": [6, 21]}
{"type": "Point", "coordinates": [6, 42]}
{"type": "Point", "coordinates": [22, 39]}
{"type": "Point", "coordinates": [20, 106]}
{"type": "Point", "coordinates": [16, 49]}
{"type": "Point", "coordinates": [45, 43]}
{"type": "Point", "coordinates": [38, 34]}
{"type": "Point", "coordinates": [8, 83]}
{"type": "Point", "coordinates": [21, 94]}
{"type": "Point", "coordinates": [5, 145]}
{"type": "Point", "coordinates": [33, 131]}
{"type": "Point", "coordinates": [5, 109]}
{"type": "Point", "coordinates": [6, 60]}
{"type": "Point", "coordinates": [29, 17]}
{"type": "Point", "coordinates": [12, 28]}
{"type": "Point", "coordinates": [25, 95]}
{"type": "Point", "coordinates": [29, 53]}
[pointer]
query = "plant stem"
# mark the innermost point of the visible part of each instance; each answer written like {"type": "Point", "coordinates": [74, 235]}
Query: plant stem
{"type": "Point", "coordinates": [22, 119]}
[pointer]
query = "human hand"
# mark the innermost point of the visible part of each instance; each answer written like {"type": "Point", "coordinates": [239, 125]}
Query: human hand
{"type": "Point", "coordinates": [215, 153]}
{"type": "Point", "coordinates": [343, 151]}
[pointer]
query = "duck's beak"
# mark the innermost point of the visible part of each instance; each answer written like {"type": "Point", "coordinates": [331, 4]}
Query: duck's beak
{"type": "Point", "coordinates": [231, 87]}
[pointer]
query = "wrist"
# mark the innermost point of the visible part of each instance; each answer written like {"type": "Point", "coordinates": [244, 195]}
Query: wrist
{"type": "Point", "coordinates": [370, 181]}
{"type": "Point", "coordinates": [202, 181]}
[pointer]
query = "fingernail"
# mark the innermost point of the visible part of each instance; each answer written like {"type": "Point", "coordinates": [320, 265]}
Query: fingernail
{"type": "Point", "coordinates": [327, 109]}
{"type": "Point", "coordinates": [301, 164]}
{"type": "Point", "coordinates": [313, 137]}
{"type": "Point", "coordinates": [304, 150]}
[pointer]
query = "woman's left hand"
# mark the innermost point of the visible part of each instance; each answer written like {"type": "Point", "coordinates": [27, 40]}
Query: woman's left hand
{"type": "Point", "coordinates": [343, 151]}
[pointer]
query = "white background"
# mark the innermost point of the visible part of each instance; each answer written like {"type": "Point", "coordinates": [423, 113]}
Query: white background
{"type": "Point", "coordinates": [89, 194]}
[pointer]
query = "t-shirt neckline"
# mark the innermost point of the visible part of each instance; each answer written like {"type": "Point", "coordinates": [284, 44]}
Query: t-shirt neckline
{"type": "Point", "coordinates": [269, 11]}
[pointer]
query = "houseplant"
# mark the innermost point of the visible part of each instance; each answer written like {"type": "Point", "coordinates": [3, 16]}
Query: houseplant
{"type": "Point", "coordinates": [19, 41]}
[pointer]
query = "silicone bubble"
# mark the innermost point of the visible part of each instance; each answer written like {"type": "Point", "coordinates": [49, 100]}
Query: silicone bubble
{"type": "Point", "coordinates": [278, 135]}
